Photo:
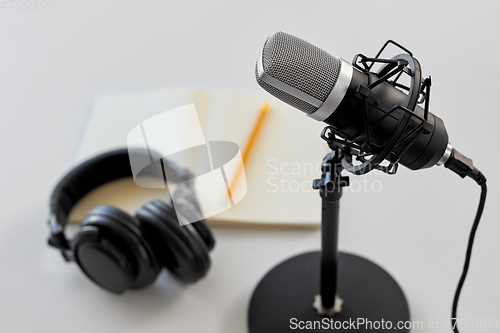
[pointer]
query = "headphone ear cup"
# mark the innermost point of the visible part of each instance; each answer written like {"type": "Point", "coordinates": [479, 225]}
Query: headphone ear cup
{"type": "Point", "coordinates": [111, 235]}
{"type": "Point", "coordinates": [102, 261]}
{"type": "Point", "coordinates": [206, 235]}
{"type": "Point", "coordinates": [201, 227]}
{"type": "Point", "coordinates": [177, 247]}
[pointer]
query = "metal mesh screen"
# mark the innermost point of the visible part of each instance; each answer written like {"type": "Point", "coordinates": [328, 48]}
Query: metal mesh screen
{"type": "Point", "coordinates": [285, 97]}
{"type": "Point", "coordinates": [301, 65]}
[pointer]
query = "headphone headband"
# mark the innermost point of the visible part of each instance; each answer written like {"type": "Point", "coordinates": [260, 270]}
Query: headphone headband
{"type": "Point", "coordinates": [93, 173]}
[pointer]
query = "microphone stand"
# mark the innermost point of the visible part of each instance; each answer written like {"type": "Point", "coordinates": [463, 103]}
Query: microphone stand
{"type": "Point", "coordinates": [355, 294]}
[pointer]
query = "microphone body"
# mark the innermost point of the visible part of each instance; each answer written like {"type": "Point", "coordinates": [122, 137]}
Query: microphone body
{"type": "Point", "coordinates": [325, 88]}
{"type": "Point", "coordinates": [425, 151]}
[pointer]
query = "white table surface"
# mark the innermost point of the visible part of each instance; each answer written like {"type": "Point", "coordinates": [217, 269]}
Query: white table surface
{"type": "Point", "coordinates": [54, 63]}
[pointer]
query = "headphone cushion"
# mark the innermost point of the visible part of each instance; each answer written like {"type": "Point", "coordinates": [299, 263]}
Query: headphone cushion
{"type": "Point", "coordinates": [176, 247]}
{"type": "Point", "coordinates": [124, 232]}
{"type": "Point", "coordinates": [198, 243]}
{"type": "Point", "coordinates": [205, 233]}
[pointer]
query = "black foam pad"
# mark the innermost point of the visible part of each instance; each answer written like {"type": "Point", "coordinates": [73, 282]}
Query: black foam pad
{"type": "Point", "coordinates": [205, 233]}
{"type": "Point", "coordinates": [184, 254]}
{"type": "Point", "coordinates": [200, 226]}
{"type": "Point", "coordinates": [198, 242]}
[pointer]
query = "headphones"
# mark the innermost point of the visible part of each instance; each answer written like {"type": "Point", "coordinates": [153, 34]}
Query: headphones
{"type": "Point", "coordinates": [118, 251]}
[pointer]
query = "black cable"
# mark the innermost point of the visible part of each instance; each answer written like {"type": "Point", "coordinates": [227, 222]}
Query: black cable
{"type": "Point", "coordinates": [481, 180]}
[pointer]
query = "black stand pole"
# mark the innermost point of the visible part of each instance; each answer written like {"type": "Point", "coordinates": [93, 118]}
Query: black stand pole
{"type": "Point", "coordinates": [329, 244]}
{"type": "Point", "coordinates": [283, 299]}
{"type": "Point", "coordinates": [330, 187]}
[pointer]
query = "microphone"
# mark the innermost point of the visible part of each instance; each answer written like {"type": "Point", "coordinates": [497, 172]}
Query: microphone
{"type": "Point", "coordinates": [367, 111]}
{"type": "Point", "coordinates": [329, 89]}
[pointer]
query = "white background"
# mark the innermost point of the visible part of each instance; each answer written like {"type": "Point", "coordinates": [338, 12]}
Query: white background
{"type": "Point", "coordinates": [54, 63]}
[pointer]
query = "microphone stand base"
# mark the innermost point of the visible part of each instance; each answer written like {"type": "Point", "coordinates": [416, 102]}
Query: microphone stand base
{"type": "Point", "coordinates": [283, 299]}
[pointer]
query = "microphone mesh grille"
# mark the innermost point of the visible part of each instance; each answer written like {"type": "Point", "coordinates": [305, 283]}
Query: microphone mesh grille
{"type": "Point", "coordinates": [301, 65]}
{"type": "Point", "coordinates": [285, 97]}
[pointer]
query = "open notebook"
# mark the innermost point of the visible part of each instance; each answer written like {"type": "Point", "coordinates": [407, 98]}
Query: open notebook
{"type": "Point", "coordinates": [284, 160]}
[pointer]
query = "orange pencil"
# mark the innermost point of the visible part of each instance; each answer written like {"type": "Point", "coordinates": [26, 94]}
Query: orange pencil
{"type": "Point", "coordinates": [248, 147]}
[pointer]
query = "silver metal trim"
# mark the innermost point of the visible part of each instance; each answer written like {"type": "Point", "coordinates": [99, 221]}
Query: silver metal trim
{"type": "Point", "coordinates": [283, 86]}
{"type": "Point", "coordinates": [446, 155]}
{"type": "Point", "coordinates": [337, 94]}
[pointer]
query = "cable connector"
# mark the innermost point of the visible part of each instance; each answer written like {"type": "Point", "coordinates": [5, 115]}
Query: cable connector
{"type": "Point", "coordinates": [463, 166]}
